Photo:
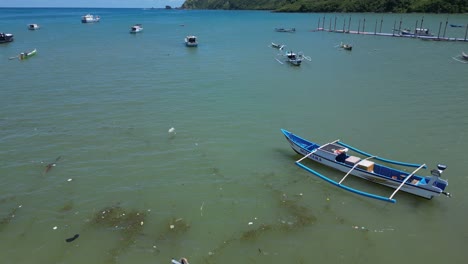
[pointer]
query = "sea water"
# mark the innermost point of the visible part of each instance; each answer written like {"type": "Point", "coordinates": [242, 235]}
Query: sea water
{"type": "Point", "coordinates": [160, 151]}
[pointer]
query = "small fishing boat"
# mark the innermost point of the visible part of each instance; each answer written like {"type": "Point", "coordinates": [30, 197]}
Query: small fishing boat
{"type": "Point", "coordinates": [33, 26]}
{"type": "Point", "coordinates": [346, 46]}
{"type": "Point", "coordinates": [418, 32]}
{"type": "Point", "coordinates": [293, 58]}
{"type": "Point", "coordinates": [464, 55]}
{"type": "Point", "coordinates": [136, 28]}
{"type": "Point", "coordinates": [291, 30]}
{"type": "Point", "coordinates": [335, 155]}
{"type": "Point", "coordinates": [26, 55]}
{"type": "Point", "coordinates": [6, 37]}
{"type": "Point", "coordinates": [277, 46]}
{"type": "Point", "coordinates": [90, 18]}
{"type": "Point", "coordinates": [191, 41]}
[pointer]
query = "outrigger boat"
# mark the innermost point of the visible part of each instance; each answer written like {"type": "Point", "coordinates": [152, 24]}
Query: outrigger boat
{"type": "Point", "coordinates": [277, 46]}
{"type": "Point", "coordinates": [6, 37]}
{"type": "Point", "coordinates": [464, 55]}
{"type": "Point", "coordinates": [90, 18]}
{"type": "Point", "coordinates": [293, 58]}
{"type": "Point", "coordinates": [33, 26]}
{"type": "Point", "coordinates": [136, 28]}
{"type": "Point", "coordinates": [291, 30]}
{"type": "Point", "coordinates": [26, 55]}
{"type": "Point", "coordinates": [191, 41]}
{"type": "Point", "coordinates": [346, 46]}
{"type": "Point", "coordinates": [335, 155]}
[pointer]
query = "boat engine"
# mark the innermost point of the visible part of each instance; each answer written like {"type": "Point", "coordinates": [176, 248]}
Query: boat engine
{"type": "Point", "coordinates": [440, 168]}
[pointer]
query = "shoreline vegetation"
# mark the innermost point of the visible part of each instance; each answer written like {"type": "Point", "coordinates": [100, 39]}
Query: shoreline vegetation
{"type": "Point", "coordinates": [331, 6]}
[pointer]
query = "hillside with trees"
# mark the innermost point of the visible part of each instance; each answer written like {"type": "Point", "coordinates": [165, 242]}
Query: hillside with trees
{"type": "Point", "coordinates": [379, 6]}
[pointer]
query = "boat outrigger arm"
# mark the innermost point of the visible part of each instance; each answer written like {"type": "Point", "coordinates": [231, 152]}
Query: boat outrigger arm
{"type": "Point", "coordinates": [379, 158]}
{"type": "Point", "coordinates": [347, 188]}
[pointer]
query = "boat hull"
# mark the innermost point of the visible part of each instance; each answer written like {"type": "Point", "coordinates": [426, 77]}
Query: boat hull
{"type": "Point", "coordinates": [6, 37]}
{"type": "Point", "coordinates": [422, 191]}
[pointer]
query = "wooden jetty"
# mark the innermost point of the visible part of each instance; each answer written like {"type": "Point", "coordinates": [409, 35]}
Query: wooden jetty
{"type": "Point", "coordinates": [395, 33]}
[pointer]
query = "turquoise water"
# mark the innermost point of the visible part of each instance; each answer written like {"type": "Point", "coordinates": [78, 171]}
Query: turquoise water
{"type": "Point", "coordinates": [224, 187]}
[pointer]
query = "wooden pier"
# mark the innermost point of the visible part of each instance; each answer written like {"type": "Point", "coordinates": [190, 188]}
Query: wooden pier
{"type": "Point", "coordinates": [395, 33]}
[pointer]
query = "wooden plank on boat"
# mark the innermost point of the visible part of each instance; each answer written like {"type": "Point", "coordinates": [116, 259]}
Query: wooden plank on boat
{"type": "Point", "coordinates": [406, 179]}
{"type": "Point", "coordinates": [370, 195]}
{"type": "Point", "coordinates": [355, 165]}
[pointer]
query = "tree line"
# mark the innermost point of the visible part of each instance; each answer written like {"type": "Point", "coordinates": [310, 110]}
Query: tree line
{"type": "Point", "coordinates": [347, 6]}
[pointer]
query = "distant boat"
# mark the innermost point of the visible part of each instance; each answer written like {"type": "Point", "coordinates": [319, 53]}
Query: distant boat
{"type": "Point", "coordinates": [6, 37]}
{"type": "Point", "coordinates": [346, 46]}
{"type": "Point", "coordinates": [293, 58]}
{"type": "Point", "coordinates": [90, 18]}
{"type": "Point", "coordinates": [277, 46]}
{"type": "Point", "coordinates": [418, 32]}
{"type": "Point", "coordinates": [136, 28]}
{"type": "Point", "coordinates": [455, 25]}
{"type": "Point", "coordinates": [33, 26]}
{"type": "Point", "coordinates": [285, 30]}
{"type": "Point", "coordinates": [464, 56]}
{"type": "Point", "coordinates": [26, 55]}
{"type": "Point", "coordinates": [191, 41]}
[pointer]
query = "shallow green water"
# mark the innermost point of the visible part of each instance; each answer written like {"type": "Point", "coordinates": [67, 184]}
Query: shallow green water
{"type": "Point", "coordinates": [103, 101]}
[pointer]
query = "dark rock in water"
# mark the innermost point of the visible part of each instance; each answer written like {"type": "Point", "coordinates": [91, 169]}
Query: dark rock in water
{"type": "Point", "coordinates": [168, 7]}
{"type": "Point", "coordinates": [72, 238]}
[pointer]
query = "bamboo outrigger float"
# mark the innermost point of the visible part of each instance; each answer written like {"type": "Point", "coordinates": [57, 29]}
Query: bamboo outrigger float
{"type": "Point", "coordinates": [335, 155]}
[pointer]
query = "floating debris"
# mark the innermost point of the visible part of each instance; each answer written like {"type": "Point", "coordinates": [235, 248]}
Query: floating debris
{"type": "Point", "coordinates": [72, 238]}
{"type": "Point", "coordinates": [51, 165]}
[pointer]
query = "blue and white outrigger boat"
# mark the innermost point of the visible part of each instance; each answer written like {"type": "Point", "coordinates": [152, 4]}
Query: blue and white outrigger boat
{"type": "Point", "coordinates": [335, 155]}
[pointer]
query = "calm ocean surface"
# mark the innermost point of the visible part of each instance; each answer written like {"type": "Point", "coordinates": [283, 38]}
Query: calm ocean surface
{"type": "Point", "coordinates": [224, 188]}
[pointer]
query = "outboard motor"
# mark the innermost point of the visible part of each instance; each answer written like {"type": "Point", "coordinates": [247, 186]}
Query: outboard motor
{"type": "Point", "coordinates": [440, 168]}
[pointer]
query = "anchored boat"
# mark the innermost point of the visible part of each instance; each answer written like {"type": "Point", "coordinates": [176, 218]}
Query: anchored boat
{"type": "Point", "coordinates": [290, 30]}
{"type": "Point", "coordinates": [191, 41]}
{"type": "Point", "coordinates": [26, 55]}
{"type": "Point", "coordinates": [33, 26]}
{"type": "Point", "coordinates": [277, 46]}
{"type": "Point", "coordinates": [136, 28]}
{"type": "Point", "coordinates": [346, 46]}
{"type": "Point", "coordinates": [6, 37]}
{"type": "Point", "coordinates": [368, 167]}
{"type": "Point", "coordinates": [90, 18]}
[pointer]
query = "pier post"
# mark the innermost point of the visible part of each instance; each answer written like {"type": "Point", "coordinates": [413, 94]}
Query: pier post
{"type": "Point", "coordinates": [440, 26]}
{"type": "Point", "coordinates": [422, 20]}
{"type": "Point", "coordinates": [359, 26]}
{"type": "Point", "coordinates": [364, 26]}
{"type": "Point", "coordinates": [323, 22]}
{"type": "Point", "coordinates": [318, 24]}
{"type": "Point", "coordinates": [349, 24]}
{"type": "Point", "coordinates": [334, 27]}
{"type": "Point", "coordinates": [445, 29]}
{"type": "Point", "coordinates": [415, 29]}
{"type": "Point", "coordinates": [329, 28]}
{"type": "Point", "coordinates": [375, 29]}
{"type": "Point", "coordinates": [381, 22]}
{"type": "Point", "coordinates": [344, 24]}
{"type": "Point", "coordinates": [399, 28]}
{"type": "Point", "coordinates": [466, 31]}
